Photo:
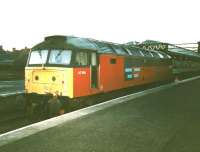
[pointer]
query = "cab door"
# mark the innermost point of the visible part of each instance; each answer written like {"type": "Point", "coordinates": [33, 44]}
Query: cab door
{"type": "Point", "coordinates": [94, 70]}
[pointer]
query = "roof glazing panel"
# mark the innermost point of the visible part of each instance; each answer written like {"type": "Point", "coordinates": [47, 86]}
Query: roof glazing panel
{"type": "Point", "coordinates": [81, 43]}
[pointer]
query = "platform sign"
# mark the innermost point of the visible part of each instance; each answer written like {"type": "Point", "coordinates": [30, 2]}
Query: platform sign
{"type": "Point", "coordinates": [155, 46]}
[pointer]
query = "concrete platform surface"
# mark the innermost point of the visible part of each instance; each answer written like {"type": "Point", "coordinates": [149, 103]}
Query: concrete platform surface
{"type": "Point", "coordinates": [166, 121]}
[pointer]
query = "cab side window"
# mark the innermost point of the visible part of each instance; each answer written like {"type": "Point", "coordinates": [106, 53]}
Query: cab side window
{"type": "Point", "coordinates": [93, 59]}
{"type": "Point", "coordinates": [81, 59]}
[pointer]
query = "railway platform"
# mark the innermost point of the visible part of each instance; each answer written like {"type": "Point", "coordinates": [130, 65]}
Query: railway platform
{"type": "Point", "coordinates": [163, 121]}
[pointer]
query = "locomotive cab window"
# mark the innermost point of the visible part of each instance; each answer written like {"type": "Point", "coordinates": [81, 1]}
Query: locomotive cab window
{"type": "Point", "coordinates": [61, 57]}
{"type": "Point", "coordinates": [38, 57]}
{"type": "Point", "coordinates": [94, 70]}
{"type": "Point", "coordinates": [81, 59]}
{"type": "Point", "coordinates": [93, 59]}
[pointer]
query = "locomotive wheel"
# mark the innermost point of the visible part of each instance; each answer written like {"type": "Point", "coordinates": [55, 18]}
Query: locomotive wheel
{"type": "Point", "coordinates": [54, 107]}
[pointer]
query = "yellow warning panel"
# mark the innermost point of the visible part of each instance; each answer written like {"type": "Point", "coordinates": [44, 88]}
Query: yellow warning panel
{"type": "Point", "coordinates": [49, 80]}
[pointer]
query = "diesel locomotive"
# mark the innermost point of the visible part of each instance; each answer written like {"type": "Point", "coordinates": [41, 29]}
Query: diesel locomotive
{"type": "Point", "coordinates": [68, 67]}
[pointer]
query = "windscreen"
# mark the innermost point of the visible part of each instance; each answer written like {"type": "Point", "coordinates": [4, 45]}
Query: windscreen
{"type": "Point", "coordinates": [62, 57]}
{"type": "Point", "coordinates": [38, 57]}
{"type": "Point", "coordinates": [56, 57]}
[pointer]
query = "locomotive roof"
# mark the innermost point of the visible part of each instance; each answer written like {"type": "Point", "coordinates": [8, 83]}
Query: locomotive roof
{"type": "Point", "coordinates": [72, 42]}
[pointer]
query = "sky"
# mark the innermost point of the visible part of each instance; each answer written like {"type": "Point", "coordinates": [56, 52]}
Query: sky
{"type": "Point", "coordinates": [27, 22]}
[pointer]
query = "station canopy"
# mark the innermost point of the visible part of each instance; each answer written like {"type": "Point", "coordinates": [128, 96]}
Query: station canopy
{"type": "Point", "coordinates": [169, 48]}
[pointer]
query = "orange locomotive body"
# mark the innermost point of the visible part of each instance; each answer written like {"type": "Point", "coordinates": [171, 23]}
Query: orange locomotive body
{"type": "Point", "coordinates": [112, 74]}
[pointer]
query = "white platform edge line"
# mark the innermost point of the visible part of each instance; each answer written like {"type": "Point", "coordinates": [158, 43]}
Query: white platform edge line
{"type": "Point", "coordinates": [49, 123]}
